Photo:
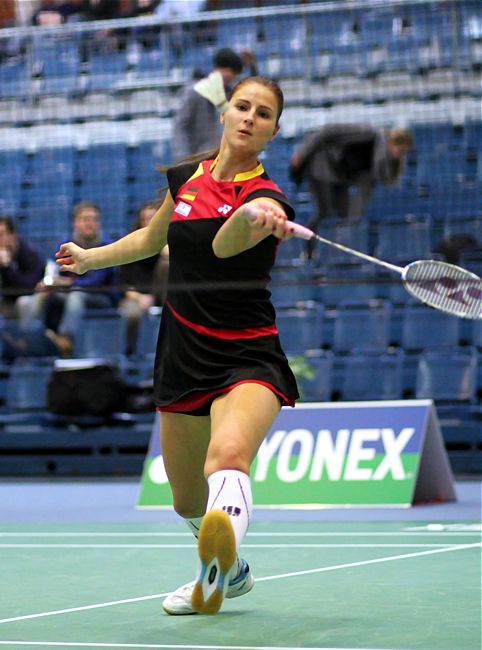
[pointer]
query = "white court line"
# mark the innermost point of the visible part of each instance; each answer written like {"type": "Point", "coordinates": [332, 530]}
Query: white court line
{"type": "Point", "coordinates": [275, 577]}
{"type": "Point", "coordinates": [401, 533]}
{"type": "Point", "coordinates": [178, 546]}
{"type": "Point", "coordinates": [156, 646]}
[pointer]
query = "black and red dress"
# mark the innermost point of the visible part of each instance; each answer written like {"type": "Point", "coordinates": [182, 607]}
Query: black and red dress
{"type": "Point", "coordinates": [218, 324]}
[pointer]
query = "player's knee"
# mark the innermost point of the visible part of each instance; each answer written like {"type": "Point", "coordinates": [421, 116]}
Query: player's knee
{"type": "Point", "coordinates": [228, 456]}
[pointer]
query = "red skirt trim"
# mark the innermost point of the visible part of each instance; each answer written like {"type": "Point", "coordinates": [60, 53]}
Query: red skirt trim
{"type": "Point", "coordinates": [232, 334]}
{"type": "Point", "coordinates": [200, 398]}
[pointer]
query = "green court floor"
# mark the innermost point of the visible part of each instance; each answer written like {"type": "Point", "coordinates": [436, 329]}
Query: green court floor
{"type": "Point", "coordinates": [344, 585]}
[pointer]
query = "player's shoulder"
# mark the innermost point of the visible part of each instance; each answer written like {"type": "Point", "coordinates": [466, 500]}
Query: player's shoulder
{"type": "Point", "coordinates": [180, 174]}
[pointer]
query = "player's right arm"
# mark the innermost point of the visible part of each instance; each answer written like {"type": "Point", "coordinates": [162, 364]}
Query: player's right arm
{"type": "Point", "coordinates": [137, 245]}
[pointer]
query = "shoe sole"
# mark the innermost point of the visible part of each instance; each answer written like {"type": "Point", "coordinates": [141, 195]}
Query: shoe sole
{"type": "Point", "coordinates": [216, 542]}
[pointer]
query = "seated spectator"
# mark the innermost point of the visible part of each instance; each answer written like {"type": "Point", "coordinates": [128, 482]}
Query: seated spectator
{"type": "Point", "coordinates": [61, 300]}
{"type": "Point", "coordinates": [178, 8]}
{"type": "Point", "coordinates": [141, 7]}
{"type": "Point", "coordinates": [21, 267]}
{"type": "Point", "coordinates": [56, 12]}
{"type": "Point", "coordinates": [145, 280]}
{"type": "Point", "coordinates": [101, 9]}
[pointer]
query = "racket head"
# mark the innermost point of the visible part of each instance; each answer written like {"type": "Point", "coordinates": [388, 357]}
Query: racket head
{"type": "Point", "coordinates": [445, 286]}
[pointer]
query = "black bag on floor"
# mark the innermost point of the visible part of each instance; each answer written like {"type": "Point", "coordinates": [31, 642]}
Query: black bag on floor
{"type": "Point", "coordinates": [83, 388]}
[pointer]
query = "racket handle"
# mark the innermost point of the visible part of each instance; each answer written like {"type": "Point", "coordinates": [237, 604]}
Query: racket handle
{"type": "Point", "coordinates": [295, 228]}
{"type": "Point", "coordinates": [301, 231]}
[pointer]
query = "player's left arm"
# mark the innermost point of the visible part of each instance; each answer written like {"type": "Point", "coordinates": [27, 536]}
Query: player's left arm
{"type": "Point", "coordinates": [249, 224]}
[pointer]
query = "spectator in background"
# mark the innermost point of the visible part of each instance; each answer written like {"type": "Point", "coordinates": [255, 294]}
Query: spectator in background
{"type": "Point", "coordinates": [197, 126]}
{"type": "Point", "coordinates": [21, 267]}
{"type": "Point", "coordinates": [167, 9]}
{"type": "Point", "coordinates": [340, 158]}
{"type": "Point", "coordinates": [56, 12]}
{"type": "Point", "coordinates": [101, 9]}
{"type": "Point", "coordinates": [146, 280]}
{"type": "Point", "coordinates": [61, 300]}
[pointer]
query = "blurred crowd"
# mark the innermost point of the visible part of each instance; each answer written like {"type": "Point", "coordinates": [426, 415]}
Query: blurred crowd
{"type": "Point", "coordinates": [56, 12]}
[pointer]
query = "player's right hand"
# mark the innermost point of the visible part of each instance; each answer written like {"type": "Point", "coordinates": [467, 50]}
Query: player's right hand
{"type": "Point", "coordinates": [72, 258]}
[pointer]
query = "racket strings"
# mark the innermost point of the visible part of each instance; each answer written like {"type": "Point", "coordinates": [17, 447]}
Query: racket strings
{"type": "Point", "coordinates": [446, 287]}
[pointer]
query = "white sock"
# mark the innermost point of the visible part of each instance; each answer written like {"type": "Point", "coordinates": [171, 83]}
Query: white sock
{"type": "Point", "coordinates": [230, 490]}
{"type": "Point", "coordinates": [194, 524]}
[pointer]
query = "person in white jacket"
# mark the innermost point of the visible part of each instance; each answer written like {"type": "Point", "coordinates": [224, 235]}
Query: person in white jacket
{"type": "Point", "coordinates": [196, 125]}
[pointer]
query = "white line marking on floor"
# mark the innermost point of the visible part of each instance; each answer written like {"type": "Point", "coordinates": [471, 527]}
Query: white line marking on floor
{"type": "Point", "coordinates": [156, 646]}
{"type": "Point", "coordinates": [191, 546]}
{"type": "Point", "coordinates": [265, 579]}
{"type": "Point", "coordinates": [401, 533]}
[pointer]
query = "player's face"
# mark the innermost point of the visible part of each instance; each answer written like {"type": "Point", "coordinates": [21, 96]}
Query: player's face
{"type": "Point", "coordinates": [251, 119]}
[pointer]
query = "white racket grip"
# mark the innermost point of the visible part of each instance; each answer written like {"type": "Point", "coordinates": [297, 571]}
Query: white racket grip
{"type": "Point", "coordinates": [296, 229]}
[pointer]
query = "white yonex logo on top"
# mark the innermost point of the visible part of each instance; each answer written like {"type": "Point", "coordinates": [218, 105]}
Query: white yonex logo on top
{"type": "Point", "coordinates": [224, 209]}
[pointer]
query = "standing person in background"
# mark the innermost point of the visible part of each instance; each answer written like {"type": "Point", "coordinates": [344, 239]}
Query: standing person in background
{"type": "Point", "coordinates": [69, 294]}
{"type": "Point", "coordinates": [341, 157]}
{"type": "Point", "coordinates": [21, 267]}
{"type": "Point", "coordinates": [220, 375]}
{"type": "Point", "coordinates": [196, 126]}
{"type": "Point", "coordinates": [145, 280]}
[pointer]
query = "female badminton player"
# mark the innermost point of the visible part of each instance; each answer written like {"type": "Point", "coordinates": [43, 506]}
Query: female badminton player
{"type": "Point", "coordinates": [220, 374]}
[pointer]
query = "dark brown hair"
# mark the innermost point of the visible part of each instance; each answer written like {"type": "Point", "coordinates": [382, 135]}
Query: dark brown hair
{"type": "Point", "coordinates": [402, 137]}
{"type": "Point", "coordinates": [9, 224]}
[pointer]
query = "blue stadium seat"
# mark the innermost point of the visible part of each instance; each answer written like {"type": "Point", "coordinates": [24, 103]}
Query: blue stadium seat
{"type": "Point", "coordinates": [362, 326]}
{"type": "Point", "coordinates": [13, 163]}
{"type": "Point", "coordinates": [316, 382]}
{"type": "Point", "coordinates": [99, 160]}
{"type": "Point", "coordinates": [291, 284]}
{"type": "Point", "coordinates": [448, 375]}
{"type": "Point", "coordinates": [281, 51]}
{"type": "Point", "coordinates": [350, 233]}
{"type": "Point", "coordinates": [372, 376]}
{"type": "Point", "coordinates": [46, 214]}
{"type": "Point", "coordinates": [477, 334]}
{"type": "Point", "coordinates": [27, 385]}
{"type": "Point", "coordinates": [148, 332]}
{"type": "Point", "coordinates": [300, 328]}
{"type": "Point", "coordinates": [243, 37]}
{"type": "Point", "coordinates": [102, 334]}
{"type": "Point", "coordinates": [404, 241]}
{"type": "Point", "coordinates": [289, 251]}
{"type": "Point", "coordinates": [342, 282]}
{"type": "Point", "coordinates": [15, 79]}
{"type": "Point", "coordinates": [426, 328]}
{"type": "Point", "coordinates": [106, 70]}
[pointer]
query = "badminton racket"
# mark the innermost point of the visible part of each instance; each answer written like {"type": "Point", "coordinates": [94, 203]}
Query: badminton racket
{"type": "Point", "coordinates": [438, 284]}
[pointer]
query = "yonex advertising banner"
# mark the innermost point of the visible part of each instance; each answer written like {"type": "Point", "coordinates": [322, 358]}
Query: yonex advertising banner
{"type": "Point", "coordinates": [345, 453]}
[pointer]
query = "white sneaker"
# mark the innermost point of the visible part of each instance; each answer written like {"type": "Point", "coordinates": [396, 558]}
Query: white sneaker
{"type": "Point", "coordinates": [179, 602]}
{"type": "Point", "coordinates": [243, 581]}
{"type": "Point", "coordinates": [217, 552]}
